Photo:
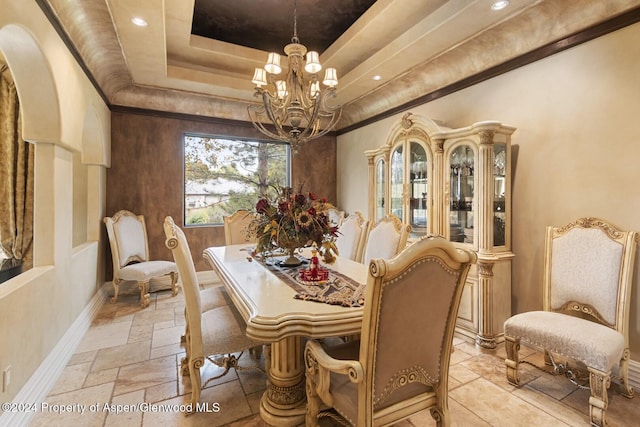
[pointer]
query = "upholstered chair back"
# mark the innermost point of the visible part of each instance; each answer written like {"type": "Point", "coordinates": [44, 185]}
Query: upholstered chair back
{"type": "Point", "coordinates": [583, 274]}
{"type": "Point", "coordinates": [236, 227]}
{"type": "Point", "coordinates": [351, 237]}
{"type": "Point", "coordinates": [130, 242]}
{"type": "Point", "coordinates": [177, 243]}
{"type": "Point", "coordinates": [411, 308]}
{"type": "Point", "coordinates": [386, 238]}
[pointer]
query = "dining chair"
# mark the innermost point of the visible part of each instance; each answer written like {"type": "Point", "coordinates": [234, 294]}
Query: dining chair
{"type": "Point", "coordinates": [236, 227]}
{"type": "Point", "coordinates": [130, 255]}
{"type": "Point", "coordinates": [588, 273]}
{"type": "Point", "coordinates": [336, 216]}
{"type": "Point", "coordinates": [386, 238]}
{"type": "Point", "coordinates": [400, 366]}
{"type": "Point", "coordinates": [351, 236]}
{"type": "Point", "coordinates": [217, 335]}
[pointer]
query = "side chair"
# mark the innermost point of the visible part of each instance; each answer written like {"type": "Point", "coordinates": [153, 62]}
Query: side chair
{"type": "Point", "coordinates": [401, 364]}
{"type": "Point", "coordinates": [217, 334]}
{"type": "Point", "coordinates": [351, 236]}
{"type": "Point", "coordinates": [588, 271]}
{"type": "Point", "coordinates": [130, 255]}
{"type": "Point", "coordinates": [386, 238]}
{"type": "Point", "coordinates": [236, 226]}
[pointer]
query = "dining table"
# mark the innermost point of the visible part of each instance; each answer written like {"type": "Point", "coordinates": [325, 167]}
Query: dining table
{"type": "Point", "coordinates": [283, 310]}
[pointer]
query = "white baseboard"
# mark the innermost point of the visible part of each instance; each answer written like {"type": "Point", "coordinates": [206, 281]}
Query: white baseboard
{"type": "Point", "coordinates": [43, 379]}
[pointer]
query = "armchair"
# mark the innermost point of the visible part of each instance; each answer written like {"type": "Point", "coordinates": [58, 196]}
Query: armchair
{"type": "Point", "coordinates": [588, 269]}
{"type": "Point", "coordinates": [215, 334]}
{"type": "Point", "coordinates": [401, 364]}
{"type": "Point", "coordinates": [130, 255]}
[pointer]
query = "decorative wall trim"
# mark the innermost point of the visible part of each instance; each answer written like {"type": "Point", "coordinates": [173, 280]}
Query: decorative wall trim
{"type": "Point", "coordinates": [43, 379]}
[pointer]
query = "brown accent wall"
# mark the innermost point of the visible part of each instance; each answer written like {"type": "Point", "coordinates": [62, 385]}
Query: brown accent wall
{"type": "Point", "coordinates": [146, 175]}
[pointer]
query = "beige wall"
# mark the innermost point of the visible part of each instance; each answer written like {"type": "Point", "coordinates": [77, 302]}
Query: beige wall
{"type": "Point", "coordinates": [577, 115]}
{"type": "Point", "coordinates": [69, 124]}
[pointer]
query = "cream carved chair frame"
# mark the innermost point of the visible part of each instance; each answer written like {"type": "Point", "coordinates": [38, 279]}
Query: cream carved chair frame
{"type": "Point", "coordinates": [352, 246]}
{"type": "Point", "coordinates": [216, 334]}
{"type": "Point", "coordinates": [401, 364]}
{"type": "Point", "coordinates": [386, 238]}
{"type": "Point", "coordinates": [588, 270]}
{"type": "Point", "coordinates": [236, 227]}
{"type": "Point", "coordinates": [130, 255]}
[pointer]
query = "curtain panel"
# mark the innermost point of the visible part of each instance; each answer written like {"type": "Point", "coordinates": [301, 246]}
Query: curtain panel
{"type": "Point", "coordinates": [16, 177]}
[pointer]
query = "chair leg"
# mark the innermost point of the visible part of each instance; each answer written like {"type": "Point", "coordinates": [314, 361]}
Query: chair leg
{"type": "Point", "coordinates": [196, 382]}
{"type": "Point", "coordinates": [256, 352]}
{"type": "Point", "coordinates": [625, 387]}
{"type": "Point", "coordinates": [313, 403]}
{"type": "Point", "coordinates": [174, 284]}
{"type": "Point", "coordinates": [599, 400]}
{"type": "Point", "coordinates": [116, 290]}
{"type": "Point", "coordinates": [145, 298]}
{"type": "Point", "coordinates": [186, 339]}
{"type": "Point", "coordinates": [512, 347]}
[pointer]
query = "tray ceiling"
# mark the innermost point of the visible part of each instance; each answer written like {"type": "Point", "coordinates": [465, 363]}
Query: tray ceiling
{"type": "Point", "coordinates": [197, 57]}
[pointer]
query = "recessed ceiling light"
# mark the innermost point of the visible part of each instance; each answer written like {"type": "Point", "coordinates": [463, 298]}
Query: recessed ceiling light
{"type": "Point", "coordinates": [377, 77]}
{"type": "Point", "coordinates": [139, 22]}
{"type": "Point", "coordinates": [499, 5]}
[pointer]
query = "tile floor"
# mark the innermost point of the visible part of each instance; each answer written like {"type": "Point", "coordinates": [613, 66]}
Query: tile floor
{"type": "Point", "coordinates": [132, 355]}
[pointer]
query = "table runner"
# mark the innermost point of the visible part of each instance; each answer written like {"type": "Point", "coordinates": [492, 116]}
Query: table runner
{"type": "Point", "coordinates": [338, 290]}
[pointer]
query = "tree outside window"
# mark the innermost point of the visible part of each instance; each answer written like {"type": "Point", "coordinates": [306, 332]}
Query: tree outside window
{"type": "Point", "coordinates": [223, 174]}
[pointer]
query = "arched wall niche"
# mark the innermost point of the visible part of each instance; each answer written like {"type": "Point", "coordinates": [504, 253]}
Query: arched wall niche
{"type": "Point", "coordinates": [39, 104]}
{"type": "Point", "coordinates": [95, 149]}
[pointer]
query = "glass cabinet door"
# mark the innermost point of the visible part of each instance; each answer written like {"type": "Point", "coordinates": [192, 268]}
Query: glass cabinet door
{"type": "Point", "coordinates": [397, 182]}
{"type": "Point", "coordinates": [418, 182]}
{"type": "Point", "coordinates": [379, 190]}
{"type": "Point", "coordinates": [499, 193]}
{"type": "Point", "coordinates": [461, 180]}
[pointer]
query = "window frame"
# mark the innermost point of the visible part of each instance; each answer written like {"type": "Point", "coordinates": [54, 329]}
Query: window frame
{"type": "Point", "coordinates": [185, 135]}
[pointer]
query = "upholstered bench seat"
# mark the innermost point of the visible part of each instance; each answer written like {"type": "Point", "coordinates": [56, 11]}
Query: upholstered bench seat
{"type": "Point", "coordinates": [593, 344]}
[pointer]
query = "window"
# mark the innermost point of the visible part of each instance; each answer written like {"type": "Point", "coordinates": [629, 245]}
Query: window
{"type": "Point", "coordinates": [222, 175]}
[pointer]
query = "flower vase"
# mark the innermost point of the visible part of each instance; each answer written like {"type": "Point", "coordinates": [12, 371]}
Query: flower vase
{"type": "Point", "coordinates": [292, 260]}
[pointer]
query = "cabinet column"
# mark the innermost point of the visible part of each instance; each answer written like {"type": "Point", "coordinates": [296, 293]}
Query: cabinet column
{"type": "Point", "coordinates": [437, 221]}
{"type": "Point", "coordinates": [485, 185]}
{"type": "Point", "coordinates": [372, 187]}
{"type": "Point", "coordinates": [486, 337]}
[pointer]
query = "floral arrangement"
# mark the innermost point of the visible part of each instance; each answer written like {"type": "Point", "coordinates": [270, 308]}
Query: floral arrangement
{"type": "Point", "coordinates": [294, 220]}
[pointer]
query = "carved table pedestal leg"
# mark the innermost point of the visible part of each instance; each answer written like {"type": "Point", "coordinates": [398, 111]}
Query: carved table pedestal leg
{"type": "Point", "coordinates": [283, 403]}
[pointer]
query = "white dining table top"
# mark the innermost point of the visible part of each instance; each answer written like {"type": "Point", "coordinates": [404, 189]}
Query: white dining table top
{"type": "Point", "coordinates": [268, 305]}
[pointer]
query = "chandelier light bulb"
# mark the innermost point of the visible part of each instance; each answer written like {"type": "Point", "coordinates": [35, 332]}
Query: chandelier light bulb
{"type": "Point", "coordinates": [315, 89]}
{"type": "Point", "coordinates": [330, 77]}
{"type": "Point", "coordinates": [273, 64]}
{"type": "Point", "coordinates": [281, 86]}
{"type": "Point", "coordinates": [259, 77]}
{"type": "Point", "coordinates": [313, 62]}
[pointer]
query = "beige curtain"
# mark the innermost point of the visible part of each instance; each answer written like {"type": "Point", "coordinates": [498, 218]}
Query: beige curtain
{"type": "Point", "coordinates": [16, 177]}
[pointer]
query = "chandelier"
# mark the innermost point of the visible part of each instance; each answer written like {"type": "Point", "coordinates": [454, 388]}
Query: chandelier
{"type": "Point", "coordinates": [297, 107]}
